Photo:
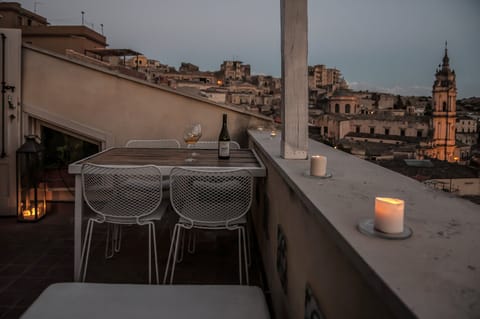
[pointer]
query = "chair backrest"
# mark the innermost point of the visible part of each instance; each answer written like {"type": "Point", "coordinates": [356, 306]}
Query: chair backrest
{"type": "Point", "coordinates": [122, 191]}
{"type": "Point", "coordinates": [213, 145]}
{"type": "Point", "coordinates": [211, 197]}
{"type": "Point", "coordinates": [165, 143]}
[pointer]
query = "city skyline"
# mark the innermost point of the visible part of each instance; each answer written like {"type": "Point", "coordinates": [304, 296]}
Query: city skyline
{"type": "Point", "coordinates": [387, 46]}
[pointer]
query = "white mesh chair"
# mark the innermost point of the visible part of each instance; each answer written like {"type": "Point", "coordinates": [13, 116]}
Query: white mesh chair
{"type": "Point", "coordinates": [213, 145]}
{"type": "Point", "coordinates": [210, 200]}
{"type": "Point", "coordinates": [163, 143]}
{"type": "Point", "coordinates": [123, 195]}
{"type": "Point", "coordinates": [160, 143]}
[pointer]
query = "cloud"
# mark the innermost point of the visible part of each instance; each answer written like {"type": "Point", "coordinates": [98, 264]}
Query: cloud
{"type": "Point", "coordinates": [414, 90]}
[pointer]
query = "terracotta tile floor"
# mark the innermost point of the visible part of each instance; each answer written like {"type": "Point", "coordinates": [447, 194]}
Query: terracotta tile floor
{"type": "Point", "coordinates": [35, 255]}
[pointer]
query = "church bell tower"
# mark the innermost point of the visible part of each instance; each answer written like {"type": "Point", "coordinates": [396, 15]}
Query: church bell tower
{"type": "Point", "coordinates": [444, 96]}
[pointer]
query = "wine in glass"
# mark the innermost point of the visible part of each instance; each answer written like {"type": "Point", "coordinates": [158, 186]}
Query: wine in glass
{"type": "Point", "coordinates": [191, 135]}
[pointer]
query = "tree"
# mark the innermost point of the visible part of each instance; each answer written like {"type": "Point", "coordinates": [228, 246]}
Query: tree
{"type": "Point", "coordinates": [399, 103]}
{"type": "Point", "coordinates": [428, 109]}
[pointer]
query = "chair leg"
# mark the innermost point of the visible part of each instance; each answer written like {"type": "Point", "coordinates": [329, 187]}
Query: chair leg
{"type": "Point", "coordinates": [249, 255]}
{"type": "Point", "coordinates": [152, 244]}
{"type": "Point", "coordinates": [110, 234]}
{"type": "Point", "coordinates": [240, 255]}
{"type": "Point", "coordinates": [192, 241]}
{"type": "Point", "coordinates": [179, 259]}
{"type": "Point", "coordinates": [179, 233]}
{"type": "Point", "coordinates": [245, 254]}
{"type": "Point", "coordinates": [172, 243]}
{"type": "Point", "coordinates": [118, 237]}
{"type": "Point", "coordinates": [149, 254]}
{"type": "Point", "coordinates": [155, 257]}
{"type": "Point", "coordinates": [86, 249]}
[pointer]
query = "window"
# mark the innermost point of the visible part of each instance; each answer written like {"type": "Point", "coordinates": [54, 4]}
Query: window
{"type": "Point", "coordinates": [402, 132]}
{"type": "Point", "coordinates": [20, 21]}
{"type": "Point", "coordinates": [29, 22]}
{"type": "Point", "coordinates": [325, 130]}
{"type": "Point", "coordinates": [357, 129]}
{"type": "Point", "coordinates": [419, 133]}
{"type": "Point", "coordinates": [444, 106]}
{"type": "Point", "coordinates": [337, 108]}
{"type": "Point", "coordinates": [387, 131]}
{"type": "Point", "coordinates": [372, 130]}
{"type": "Point", "coordinates": [347, 108]}
{"type": "Point", "coordinates": [62, 149]}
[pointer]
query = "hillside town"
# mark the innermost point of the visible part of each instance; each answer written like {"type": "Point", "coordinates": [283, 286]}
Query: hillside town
{"type": "Point", "coordinates": [375, 126]}
{"type": "Point", "coordinates": [134, 188]}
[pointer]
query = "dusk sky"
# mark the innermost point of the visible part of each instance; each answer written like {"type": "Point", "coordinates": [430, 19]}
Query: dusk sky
{"type": "Point", "coordinates": [386, 45]}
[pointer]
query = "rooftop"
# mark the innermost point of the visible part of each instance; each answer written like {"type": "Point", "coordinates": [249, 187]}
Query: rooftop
{"type": "Point", "coordinates": [36, 255]}
{"type": "Point", "coordinates": [437, 169]}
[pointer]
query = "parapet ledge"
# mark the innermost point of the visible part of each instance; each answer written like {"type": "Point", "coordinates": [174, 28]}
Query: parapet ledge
{"type": "Point", "coordinates": [435, 273]}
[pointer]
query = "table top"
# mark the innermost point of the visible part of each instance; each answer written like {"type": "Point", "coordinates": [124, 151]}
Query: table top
{"type": "Point", "coordinates": [89, 300]}
{"type": "Point", "coordinates": [167, 158]}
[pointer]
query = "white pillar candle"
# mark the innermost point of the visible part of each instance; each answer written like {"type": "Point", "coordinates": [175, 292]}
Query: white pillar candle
{"type": "Point", "coordinates": [389, 214]}
{"type": "Point", "coordinates": [318, 165]}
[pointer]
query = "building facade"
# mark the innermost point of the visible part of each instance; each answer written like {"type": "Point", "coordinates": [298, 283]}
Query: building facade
{"type": "Point", "coordinates": [235, 70]}
{"type": "Point", "coordinates": [36, 31]}
{"type": "Point", "coordinates": [14, 16]}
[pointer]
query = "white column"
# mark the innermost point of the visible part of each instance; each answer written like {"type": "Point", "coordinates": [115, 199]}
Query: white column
{"type": "Point", "coordinates": [294, 27]}
{"type": "Point", "coordinates": [10, 120]}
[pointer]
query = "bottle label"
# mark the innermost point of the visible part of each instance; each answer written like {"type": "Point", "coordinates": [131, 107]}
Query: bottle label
{"type": "Point", "coordinates": [224, 149]}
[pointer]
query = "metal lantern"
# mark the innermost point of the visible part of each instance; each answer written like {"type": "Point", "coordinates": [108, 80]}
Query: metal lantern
{"type": "Point", "coordinates": [31, 187]}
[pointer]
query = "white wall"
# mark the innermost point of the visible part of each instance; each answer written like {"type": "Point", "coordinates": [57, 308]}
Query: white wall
{"type": "Point", "coordinates": [12, 120]}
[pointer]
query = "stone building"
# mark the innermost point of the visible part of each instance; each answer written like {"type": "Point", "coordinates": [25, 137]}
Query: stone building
{"type": "Point", "coordinates": [235, 71]}
{"type": "Point", "coordinates": [139, 61]}
{"type": "Point", "coordinates": [14, 16]}
{"type": "Point", "coordinates": [372, 128]}
{"type": "Point", "coordinates": [343, 102]}
{"type": "Point", "coordinates": [465, 124]}
{"type": "Point", "coordinates": [466, 129]}
{"type": "Point", "coordinates": [319, 76]}
{"type": "Point", "coordinates": [186, 67]}
{"type": "Point", "coordinates": [36, 31]}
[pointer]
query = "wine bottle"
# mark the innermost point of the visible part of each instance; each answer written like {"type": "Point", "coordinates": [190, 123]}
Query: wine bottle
{"type": "Point", "coordinates": [224, 141]}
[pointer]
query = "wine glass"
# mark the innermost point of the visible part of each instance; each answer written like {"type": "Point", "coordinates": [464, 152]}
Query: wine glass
{"type": "Point", "coordinates": [191, 135]}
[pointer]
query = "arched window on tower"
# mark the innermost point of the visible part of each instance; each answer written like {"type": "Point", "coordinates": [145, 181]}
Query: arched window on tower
{"type": "Point", "coordinates": [337, 108]}
{"type": "Point", "coordinates": [444, 106]}
{"type": "Point", "coordinates": [347, 108]}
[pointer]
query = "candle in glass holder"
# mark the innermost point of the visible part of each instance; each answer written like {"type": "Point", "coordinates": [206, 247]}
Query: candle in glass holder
{"type": "Point", "coordinates": [318, 165]}
{"type": "Point", "coordinates": [389, 214]}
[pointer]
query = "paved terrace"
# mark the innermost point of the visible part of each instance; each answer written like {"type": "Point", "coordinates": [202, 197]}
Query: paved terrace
{"type": "Point", "coordinates": [35, 255]}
